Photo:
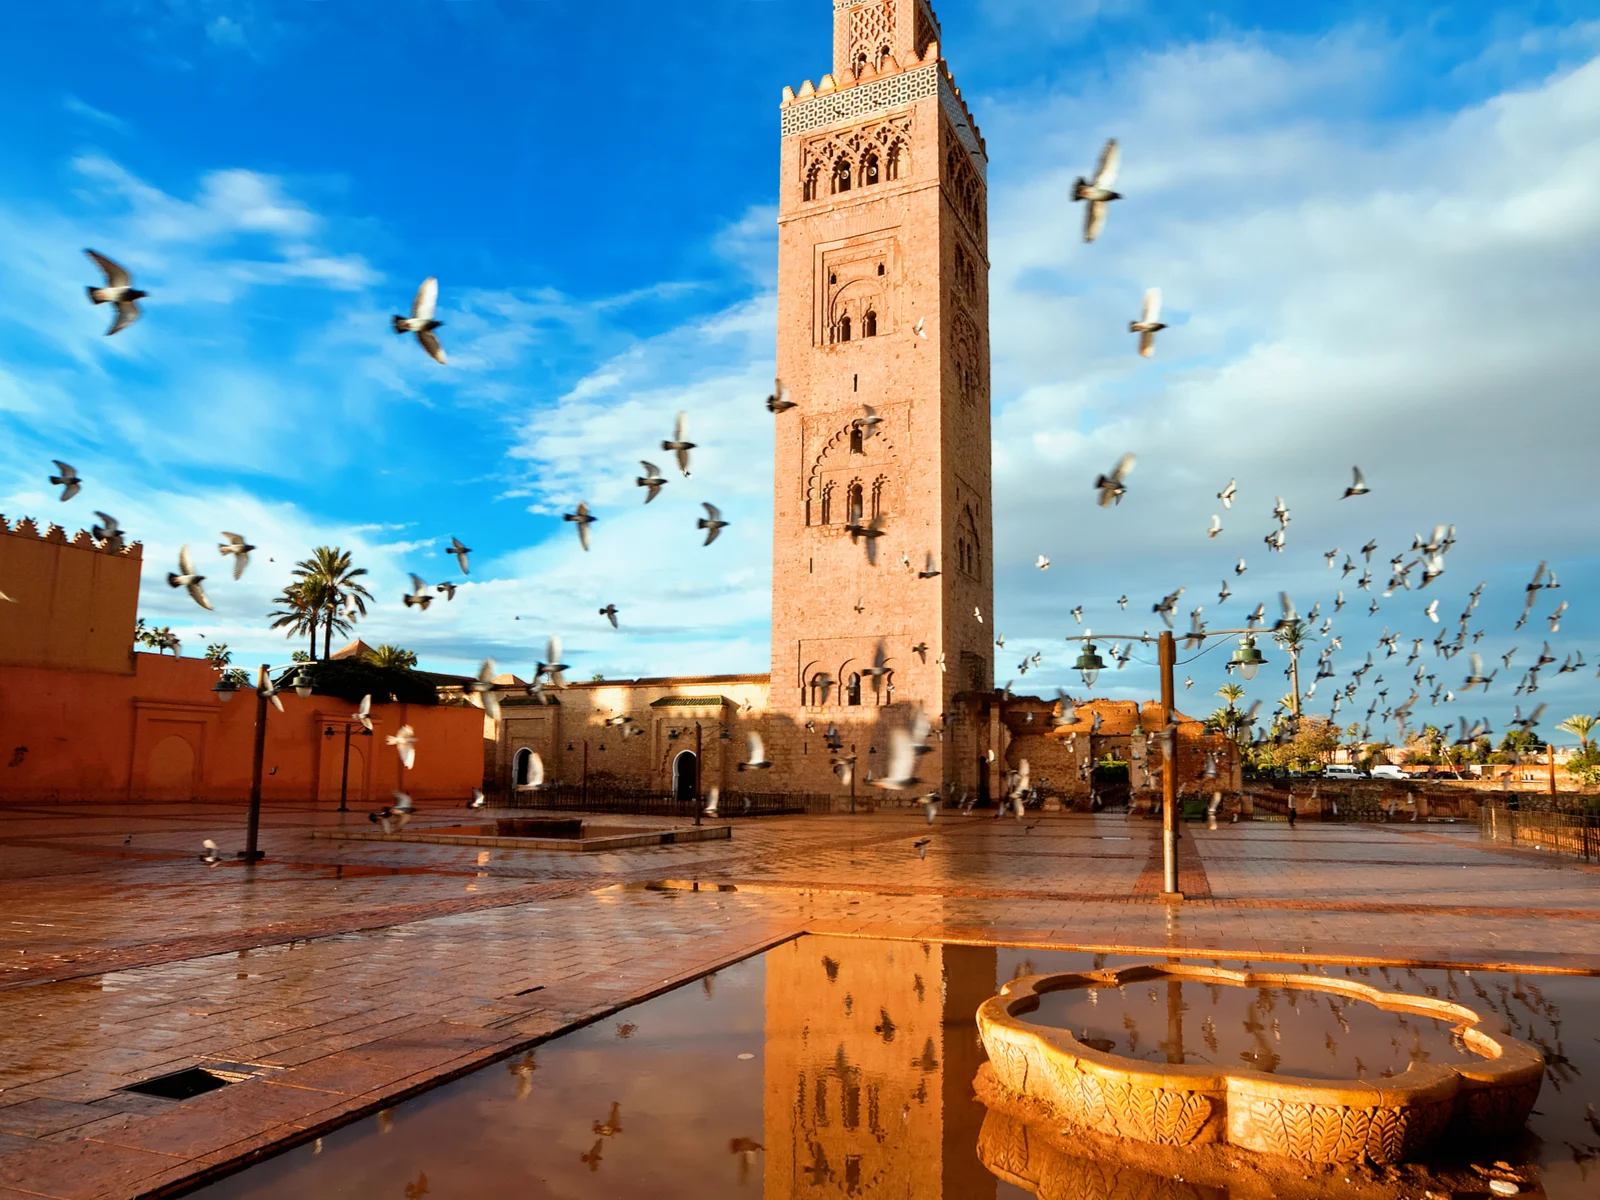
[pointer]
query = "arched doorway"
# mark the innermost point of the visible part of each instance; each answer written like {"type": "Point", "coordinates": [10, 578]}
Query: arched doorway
{"type": "Point", "coordinates": [169, 774]}
{"type": "Point", "coordinates": [685, 777]}
{"type": "Point", "coordinates": [522, 768]}
{"type": "Point", "coordinates": [1110, 786]}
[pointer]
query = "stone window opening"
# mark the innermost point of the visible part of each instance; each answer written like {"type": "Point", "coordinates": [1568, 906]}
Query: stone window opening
{"type": "Point", "coordinates": [857, 440]}
{"type": "Point", "coordinates": [827, 504]}
{"type": "Point", "coordinates": [841, 175]}
{"type": "Point", "coordinates": [852, 691]}
{"type": "Point", "coordinates": [818, 690]}
{"type": "Point", "coordinates": [522, 767]}
{"type": "Point", "coordinates": [878, 486]}
{"type": "Point", "coordinates": [857, 503]}
{"type": "Point", "coordinates": [895, 159]}
{"type": "Point", "coordinates": [869, 171]}
{"type": "Point", "coordinates": [880, 269]}
{"type": "Point", "coordinates": [861, 64]}
{"type": "Point", "coordinates": [844, 328]}
{"type": "Point", "coordinates": [869, 324]}
{"type": "Point", "coordinates": [813, 177]}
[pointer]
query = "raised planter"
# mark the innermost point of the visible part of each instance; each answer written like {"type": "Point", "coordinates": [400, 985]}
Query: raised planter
{"type": "Point", "coordinates": [1318, 1120]}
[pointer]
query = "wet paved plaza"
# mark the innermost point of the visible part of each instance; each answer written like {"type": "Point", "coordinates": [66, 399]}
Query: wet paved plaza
{"type": "Point", "coordinates": [338, 979]}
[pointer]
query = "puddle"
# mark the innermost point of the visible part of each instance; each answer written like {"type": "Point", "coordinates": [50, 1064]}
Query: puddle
{"type": "Point", "coordinates": [1282, 1031]}
{"type": "Point", "coordinates": [535, 828]}
{"type": "Point", "coordinates": [842, 1067]}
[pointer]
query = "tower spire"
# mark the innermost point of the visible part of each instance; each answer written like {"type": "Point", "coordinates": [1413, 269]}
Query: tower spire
{"type": "Point", "coordinates": [874, 37]}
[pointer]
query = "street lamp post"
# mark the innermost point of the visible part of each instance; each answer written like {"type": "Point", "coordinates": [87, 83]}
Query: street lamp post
{"type": "Point", "coordinates": [1246, 660]}
{"type": "Point", "coordinates": [225, 689]}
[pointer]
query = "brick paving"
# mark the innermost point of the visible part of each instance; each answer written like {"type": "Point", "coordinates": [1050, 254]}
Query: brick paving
{"type": "Point", "coordinates": [349, 975]}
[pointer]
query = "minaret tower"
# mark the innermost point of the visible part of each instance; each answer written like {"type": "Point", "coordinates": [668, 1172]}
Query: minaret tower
{"type": "Point", "coordinates": [883, 303]}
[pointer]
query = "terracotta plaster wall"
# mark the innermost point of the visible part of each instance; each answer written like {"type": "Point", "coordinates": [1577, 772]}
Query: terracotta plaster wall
{"type": "Point", "coordinates": [161, 734]}
{"type": "Point", "coordinates": [74, 599]}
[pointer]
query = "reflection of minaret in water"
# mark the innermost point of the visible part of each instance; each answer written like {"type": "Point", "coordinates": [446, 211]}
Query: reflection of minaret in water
{"type": "Point", "coordinates": [870, 1055]}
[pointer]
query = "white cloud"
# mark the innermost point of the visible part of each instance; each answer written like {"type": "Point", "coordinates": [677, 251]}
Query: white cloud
{"type": "Point", "coordinates": [1404, 294]}
{"type": "Point", "coordinates": [82, 108]}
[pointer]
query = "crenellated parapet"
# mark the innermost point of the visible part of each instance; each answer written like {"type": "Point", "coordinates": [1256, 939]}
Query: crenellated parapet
{"type": "Point", "coordinates": [27, 527]}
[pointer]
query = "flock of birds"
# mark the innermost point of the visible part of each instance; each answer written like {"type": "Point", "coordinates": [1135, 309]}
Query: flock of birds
{"type": "Point", "coordinates": [1425, 557]}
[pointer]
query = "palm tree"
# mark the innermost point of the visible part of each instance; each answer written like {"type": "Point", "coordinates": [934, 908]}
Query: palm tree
{"type": "Point", "coordinates": [1232, 693]}
{"type": "Point", "coordinates": [298, 612]}
{"type": "Point", "coordinates": [1294, 636]}
{"type": "Point", "coordinates": [329, 581]}
{"type": "Point", "coordinates": [392, 658]}
{"type": "Point", "coordinates": [1580, 726]}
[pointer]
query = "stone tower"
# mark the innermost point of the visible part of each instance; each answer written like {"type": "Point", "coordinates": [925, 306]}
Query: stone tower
{"type": "Point", "coordinates": [883, 302]}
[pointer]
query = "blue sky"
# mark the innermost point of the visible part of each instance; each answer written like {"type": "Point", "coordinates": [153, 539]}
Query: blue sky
{"type": "Point", "coordinates": [1376, 227]}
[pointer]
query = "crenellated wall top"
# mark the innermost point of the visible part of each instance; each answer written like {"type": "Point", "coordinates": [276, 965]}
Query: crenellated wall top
{"type": "Point", "coordinates": [27, 527]}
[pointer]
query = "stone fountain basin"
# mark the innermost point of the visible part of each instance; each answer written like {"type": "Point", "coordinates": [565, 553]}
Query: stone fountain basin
{"type": "Point", "coordinates": [1317, 1120]}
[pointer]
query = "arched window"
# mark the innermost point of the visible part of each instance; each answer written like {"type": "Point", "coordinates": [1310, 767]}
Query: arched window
{"type": "Point", "coordinates": [841, 175]}
{"type": "Point", "coordinates": [818, 690]}
{"type": "Point", "coordinates": [844, 328]}
{"type": "Point", "coordinates": [521, 767]}
{"type": "Point", "coordinates": [869, 324]}
{"type": "Point", "coordinates": [877, 495]}
{"type": "Point", "coordinates": [861, 63]}
{"type": "Point", "coordinates": [813, 177]}
{"type": "Point", "coordinates": [880, 268]}
{"type": "Point", "coordinates": [856, 504]}
{"type": "Point", "coordinates": [852, 691]}
{"type": "Point", "coordinates": [895, 160]}
{"type": "Point", "coordinates": [869, 171]}
{"type": "Point", "coordinates": [827, 504]}
{"type": "Point", "coordinates": [884, 55]}
{"type": "Point", "coordinates": [856, 438]}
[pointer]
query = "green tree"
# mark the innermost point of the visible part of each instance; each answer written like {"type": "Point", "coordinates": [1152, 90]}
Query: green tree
{"type": "Point", "coordinates": [1580, 726]}
{"type": "Point", "coordinates": [1520, 741]}
{"type": "Point", "coordinates": [1232, 693]}
{"type": "Point", "coordinates": [297, 614]}
{"type": "Point", "coordinates": [1294, 636]}
{"type": "Point", "coordinates": [392, 658]}
{"type": "Point", "coordinates": [330, 584]}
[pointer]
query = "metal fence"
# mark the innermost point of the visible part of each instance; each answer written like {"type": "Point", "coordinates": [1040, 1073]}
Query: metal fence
{"type": "Point", "coordinates": [1577, 834]}
{"type": "Point", "coordinates": [649, 803]}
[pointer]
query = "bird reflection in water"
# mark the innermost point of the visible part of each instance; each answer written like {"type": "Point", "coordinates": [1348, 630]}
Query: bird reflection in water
{"type": "Point", "coordinates": [592, 1158]}
{"type": "Point", "coordinates": [419, 1188]}
{"type": "Point", "coordinates": [612, 1125]}
{"type": "Point", "coordinates": [522, 1069]}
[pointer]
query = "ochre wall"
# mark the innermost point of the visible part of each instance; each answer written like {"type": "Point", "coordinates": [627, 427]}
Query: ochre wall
{"type": "Point", "coordinates": [160, 733]}
{"type": "Point", "coordinates": [75, 601]}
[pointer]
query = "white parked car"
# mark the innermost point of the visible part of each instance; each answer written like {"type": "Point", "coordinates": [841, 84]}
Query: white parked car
{"type": "Point", "coordinates": [1343, 772]}
{"type": "Point", "coordinates": [1388, 772]}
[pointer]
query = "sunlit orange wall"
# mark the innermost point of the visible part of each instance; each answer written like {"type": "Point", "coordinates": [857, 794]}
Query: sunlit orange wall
{"type": "Point", "coordinates": [161, 734]}
{"type": "Point", "coordinates": [73, 601]}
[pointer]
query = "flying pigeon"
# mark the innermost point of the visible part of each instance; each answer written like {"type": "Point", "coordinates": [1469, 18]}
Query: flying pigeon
{"type": "Point", "coordinates": [712, 522]}
{"type": "Point", "coordinates": [758, 760]}
{"type": "Point", "coordinates": [609, 612]}
{"type": "Point", "coordinates": [364, 713]}
{"type": "Point", "coordinates": [448, 589]}
{"type": "Point", "coordinates": [1358, 485]}
{"type": "Point", "coordinates": [405, 743]}
{"type": "Point", "coordinates": [421, 321]}
{"type": "Point", "coordinates": [779, 401]}
{"type": "Point", "coordinates": [185, 577]}
{"type": "Point", "coordinates": [552, 670]}
{"type": "Point", "coordinates": [905, 746]}
{"type": "Point", "coordinates": [872, 532]}
{"type": "Point", "coordinates": [583, 520]}
{"type": "Point", "coordinates": [455, 547]}
{"type": "Point", "coordinates": [1216, 525]}
{"type": "Point", "coordinates": [419, 597]}
{"type": "Point", "coordinates": [1114, 486]}
{"type": "Point", "coordinates": [1149, 323]}
{"type": "Point", "coordinates": [483, 689]}
{"type": "Point", "coordinates": [107, 529]}
{"type": "Point", "coordinates": [712, 800]}
{"type": "Point", "coordinates": [119, 291]}
{"type": "Point", "coordinates": [1098, 192]}
{"type": "Point", "coordinates": [239, 549]}
{"type": "Point", "coordinates": [651, 479]}
{"type": "Point", "coordinates": [680, 445]}
{"type": "Point", "coordinates": [930, 568]}
{"type": "Point", "coordinates": [920, 328]}
{"type": "Point", "coordinates": [211, 855]}
{"type": "Point", "coordinates": [1043, 564]}
{"type": "Point", "coordinates": [69, 481]}
{"type": "Point", "coordinates": [1227, 494]}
